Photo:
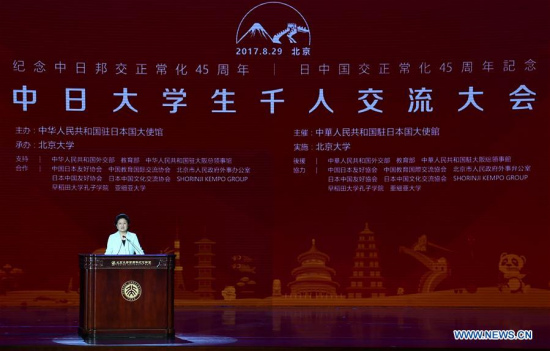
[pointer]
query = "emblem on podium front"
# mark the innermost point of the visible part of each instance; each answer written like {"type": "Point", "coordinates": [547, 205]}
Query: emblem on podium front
{"type": "Point", "coordinates": [131, 290]}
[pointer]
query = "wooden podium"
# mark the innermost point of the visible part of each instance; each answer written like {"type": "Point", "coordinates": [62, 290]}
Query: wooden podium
{"type": "Point", "coordinates": [126, 296]}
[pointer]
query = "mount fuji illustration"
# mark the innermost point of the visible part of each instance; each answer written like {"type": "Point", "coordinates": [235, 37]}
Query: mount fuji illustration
{"type": "Point", "coordinates": [258, 30]}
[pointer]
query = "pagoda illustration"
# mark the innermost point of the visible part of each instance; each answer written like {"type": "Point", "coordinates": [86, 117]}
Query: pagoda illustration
{"type": "Point", "coordinates": [178, 271]}
{"type": "Point", "coordinates": [180, 292]}
{"type": "Point", "coordinates": [313, 278]}
{"type": "Point", "coordinates": [205, 269]}
{"type": "Point", "coordinates": [366, 280]}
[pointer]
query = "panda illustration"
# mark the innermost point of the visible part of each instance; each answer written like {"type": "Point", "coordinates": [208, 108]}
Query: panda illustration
{"type": "Point", "coordinates": [510, 266]}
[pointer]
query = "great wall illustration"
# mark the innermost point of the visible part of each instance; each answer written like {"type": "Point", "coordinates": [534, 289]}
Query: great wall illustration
{"type": "Point", "coordinates": [290, 31]}
{"type": "Point", "coordinates": [438, 268]}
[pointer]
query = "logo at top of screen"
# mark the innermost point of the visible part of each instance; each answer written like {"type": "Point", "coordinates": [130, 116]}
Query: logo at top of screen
{"type": "Point", "coordinates": [274, 24]}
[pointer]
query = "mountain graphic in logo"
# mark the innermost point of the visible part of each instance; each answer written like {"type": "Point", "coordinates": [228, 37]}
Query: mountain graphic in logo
{"type": "Point", "coordinates": [275, 23]}
{"type": "Point", "coordinates": [291, 30]}
{"type": "Point", "coordinates": [258, 30]}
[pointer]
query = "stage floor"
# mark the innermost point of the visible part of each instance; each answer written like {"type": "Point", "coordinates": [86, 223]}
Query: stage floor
{"type": "Point", "coordinates": [296, 327]}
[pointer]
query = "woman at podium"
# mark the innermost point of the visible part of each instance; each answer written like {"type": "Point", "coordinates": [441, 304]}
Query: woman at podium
{"type": "Point", "coordinates": [123, 242]}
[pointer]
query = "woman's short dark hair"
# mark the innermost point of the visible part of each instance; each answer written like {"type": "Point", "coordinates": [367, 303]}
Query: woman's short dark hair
{"type": "Point", "coordinates": [120, 216]}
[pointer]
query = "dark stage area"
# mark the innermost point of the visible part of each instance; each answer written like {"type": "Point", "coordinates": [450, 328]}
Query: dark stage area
{"type": "Point", "coordinates": [288, 327]}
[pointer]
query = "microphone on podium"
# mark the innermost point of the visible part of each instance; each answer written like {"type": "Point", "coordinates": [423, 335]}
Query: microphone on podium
{"type": "Point", "coordinates": [139, 252]}
{"type": "Point", "coordinates": [123, 243]}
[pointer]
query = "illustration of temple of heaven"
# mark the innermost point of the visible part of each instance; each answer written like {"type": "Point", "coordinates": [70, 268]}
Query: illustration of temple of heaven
{"type": "Point", "coordinates": [313, 278]}
{"type": "Point", "coordinates": [366, 280]}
